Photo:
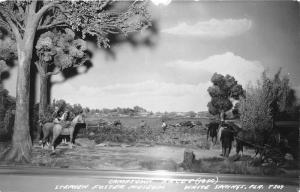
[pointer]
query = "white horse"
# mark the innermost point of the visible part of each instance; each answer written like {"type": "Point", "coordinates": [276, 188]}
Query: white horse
{"type": "Point", "coordinates": [58, 129]}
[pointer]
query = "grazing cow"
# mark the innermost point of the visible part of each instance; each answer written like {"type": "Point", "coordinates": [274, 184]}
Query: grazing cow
{"type": "Point", "coordinates": [187, 124]}
{"type": "Point", "coordinates": [117, 123]}
{"type": "Point", "coordinates": [212, 131]}
{"type": "Point", "coordinates": [143, 124]}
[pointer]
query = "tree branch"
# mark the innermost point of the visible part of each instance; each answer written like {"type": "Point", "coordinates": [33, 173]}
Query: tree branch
{"type": "Point", "coordinates": [41, 12]}
{"type": "Point", "coordinates": [82, 62]}
{"type": "Point", "coordinates": [13, 27]}
{"type": "Point", "coordinates": [105, 3]}
{"type": "Point", "coordinates": [53, 72]}
{"type": "Point", "coordinates": [40, 69]}
{"type": "Point", "coordinates": [42, 27]}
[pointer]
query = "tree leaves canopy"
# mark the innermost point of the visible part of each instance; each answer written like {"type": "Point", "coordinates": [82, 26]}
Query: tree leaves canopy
{"type": "Point", "coordinates": [60, 48]}
{"type": "Point", "coordinates": [265, 101]}
{"type": "Point", "coordinates": [224, 89]}
{"type": "Point", "coordinates": [94, 18]}
{"type": "Point", "coordinates": [8, 52]}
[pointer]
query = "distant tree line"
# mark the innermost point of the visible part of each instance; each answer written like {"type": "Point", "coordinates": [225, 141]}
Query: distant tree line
{"type": "Point", "coordinates": [120, 111]}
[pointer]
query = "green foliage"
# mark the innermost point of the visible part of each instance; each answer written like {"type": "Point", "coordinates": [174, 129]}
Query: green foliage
{"type": "Point", "coordinates": [3, 66]}
{"type": "Point", "coordinates": [223, 89]}
{"type": "Point", "coordinates": [58, 21]}
{"type": "Point", "coordinates": [236, 111]}
{"type": "Point", "coordinates": [7, 107]}
{"type": "Point", "coordinates": [279, 94]}
{"type": "Point", "coordinates": [265, 101]}
{"type": "Point", "coordinates": [62, 106]}
{"type": "Point", "coordinates": [120, 111]}
{"type": "Point", "coordinates": [255, 110]}
{"type": "Point", "coordinates": [8, 52]}
{"type": "Point", "coordinates": [114, 133]}
{"type": "Point", "coordinates": [77, 109]}
{"type": "Point", "coordinates": [46, 117]}
{"type": "Point", "coordinates": [192, 114]}
{"type": "Point", "coordinates": [90, 18]}
{"type": "Point", "coordinates": [61, 48]}
{"type": "Point", "coordinates": [100, 18]}
{"type": "Point", "coordinates": [8, 49]}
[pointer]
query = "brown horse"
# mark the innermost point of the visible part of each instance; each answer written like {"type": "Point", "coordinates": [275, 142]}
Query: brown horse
{"type": "Point", "coordinates": [56, 129]}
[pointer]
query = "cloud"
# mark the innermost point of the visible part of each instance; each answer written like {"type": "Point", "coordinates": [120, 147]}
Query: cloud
{"type": "Point", "coordinates": [152, 95]}
{"type": "Point", "coordinates": [161, 2]}
{"type": "Point", "coordinates": [228, 63]}
{"type": "Point", "coordinates": [164, 94]}
{"type": "Point", "coordinates": [212, 28]}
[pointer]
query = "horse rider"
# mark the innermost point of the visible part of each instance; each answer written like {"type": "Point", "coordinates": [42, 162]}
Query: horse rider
{"type": "Point", "coordinates": [56, 119]}
{"type": "Point", "coordinates": [55, 115]}
{"type": "Point", "coordinates": [63, 120]}
{"type": "Point", "coordinates": [226, 139]}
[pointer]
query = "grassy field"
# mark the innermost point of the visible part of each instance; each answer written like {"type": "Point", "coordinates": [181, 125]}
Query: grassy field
{"type": "Point", "coordinates": [131, 131]}
{"type": "Point", "coordinates": [134, 122]}
{"type": "Point", "coordinates": [130, 147]}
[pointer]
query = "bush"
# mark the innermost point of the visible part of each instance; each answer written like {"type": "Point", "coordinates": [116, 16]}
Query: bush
{"type": "Point", "coordinates": [112, 133]}
{"type": "Point", "coordinates": [262, 106]}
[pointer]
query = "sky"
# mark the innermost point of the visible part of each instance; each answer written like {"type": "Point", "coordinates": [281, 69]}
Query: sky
{"type": "Point", "coordinates": [194, 40]}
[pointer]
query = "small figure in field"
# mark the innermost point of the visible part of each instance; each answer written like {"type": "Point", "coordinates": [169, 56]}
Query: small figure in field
{"type": "Point", "coordinates": [164, 126]}
{"type": "Point", "coordinates": [143, 124]}
{"type": "Point", "coordinates": [226, 139]}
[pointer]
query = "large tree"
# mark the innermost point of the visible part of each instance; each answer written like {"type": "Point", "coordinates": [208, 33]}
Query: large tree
{"type": "Point", "coordinates": [56, 51]}
{"type": "Point", "coordinates": [26, 19]}
{"type": "Point", "coordinates": [222, 92]}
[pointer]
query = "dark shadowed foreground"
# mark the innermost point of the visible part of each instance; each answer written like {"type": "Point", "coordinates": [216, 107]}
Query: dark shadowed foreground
{"type": "Point", "coordinates": [140, 156]}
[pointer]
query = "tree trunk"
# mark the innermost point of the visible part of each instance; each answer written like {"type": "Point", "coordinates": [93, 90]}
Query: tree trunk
{"type": "Point", "coordinates": [21, 142]}
{"type": "Point", "coordinates": [222, 115]}
{"type": "Point", "coordinates": [43, 94]}
{"type": "Point", "coordinates": [43, 105]}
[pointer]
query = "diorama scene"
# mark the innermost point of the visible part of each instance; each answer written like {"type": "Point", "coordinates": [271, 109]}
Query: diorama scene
{"type": "Point", "coordinates": [182, 86]}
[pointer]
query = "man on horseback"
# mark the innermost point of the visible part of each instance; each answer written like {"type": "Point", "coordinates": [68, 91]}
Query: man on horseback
{"type": "Point", "coordinates": [64, 121]}
{"type": "Point", "coordinates": [226, 139]}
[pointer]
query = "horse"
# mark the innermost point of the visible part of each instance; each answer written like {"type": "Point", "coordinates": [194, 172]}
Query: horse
{"type": "Point", "coordinates": [212, 128]}
{"type": "Point", "coordinates": [47, 129]}
{"type": "Point", "coordinates": [226, 141]}
{"type": "Point", "coordinates": [57, 129]}
{"type": "Point", "coordinates": [248, 138]}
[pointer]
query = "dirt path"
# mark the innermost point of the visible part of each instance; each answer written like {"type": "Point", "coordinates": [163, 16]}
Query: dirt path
{"type": "Point", "coordinates": [139, 157]}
